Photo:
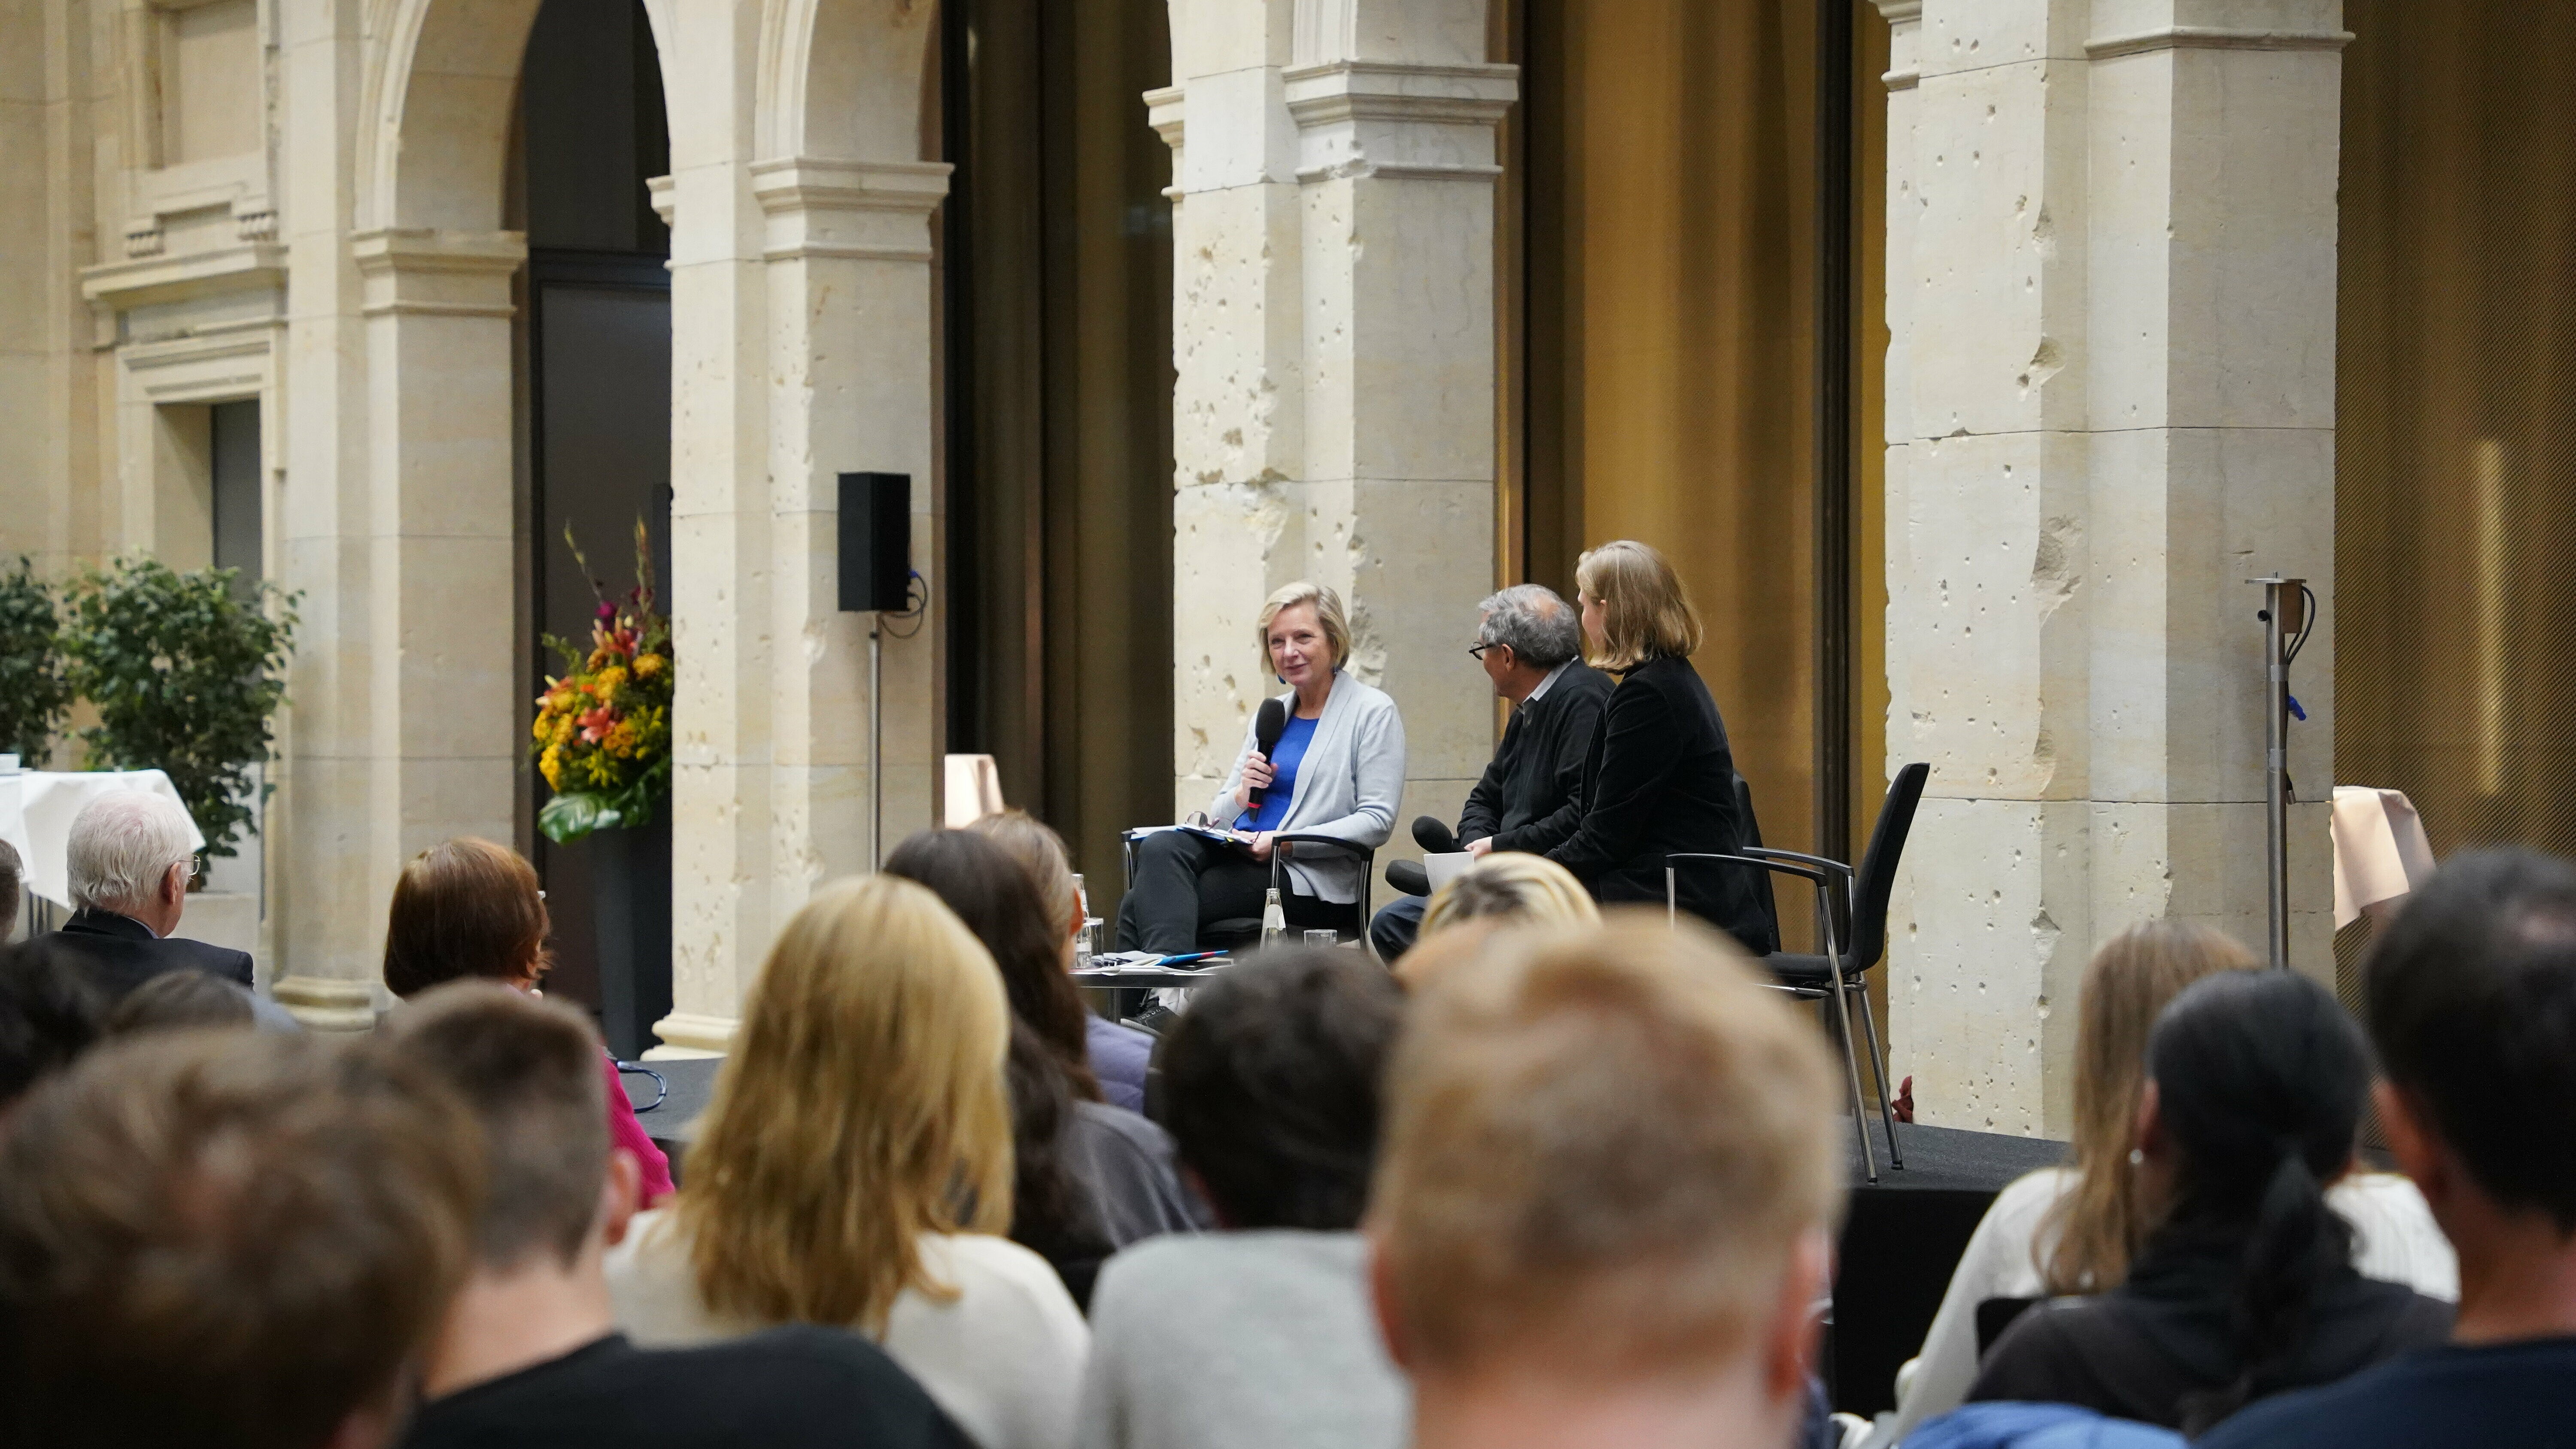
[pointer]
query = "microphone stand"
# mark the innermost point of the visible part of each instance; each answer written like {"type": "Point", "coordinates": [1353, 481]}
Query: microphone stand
{"type": "Point", "coordinates": [2286, 617]}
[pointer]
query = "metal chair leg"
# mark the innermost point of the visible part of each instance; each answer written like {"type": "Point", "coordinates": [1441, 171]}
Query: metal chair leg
{"type": "Point", "coordinates": [1843, 1033]}
{"type": "Point", "coordinates": [1878, 1069]}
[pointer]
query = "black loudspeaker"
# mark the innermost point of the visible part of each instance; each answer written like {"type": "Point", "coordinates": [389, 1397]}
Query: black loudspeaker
{"type": "Point", "coordinates": [876, 542]}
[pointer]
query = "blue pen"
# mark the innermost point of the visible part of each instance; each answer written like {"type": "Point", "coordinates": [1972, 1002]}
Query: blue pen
{"type": "Point", "coordinates": [1186, 960]}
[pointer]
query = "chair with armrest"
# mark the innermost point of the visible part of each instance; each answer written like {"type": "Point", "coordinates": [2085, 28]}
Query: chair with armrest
{"type": "Point", "coordinates": [1851, 912]}
{"type": "Point", "coordinates": [1233, 933]}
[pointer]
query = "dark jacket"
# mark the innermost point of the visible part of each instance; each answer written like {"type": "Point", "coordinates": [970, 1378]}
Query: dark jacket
{"type": "Point", "coordinates": [1660, 780]}
{"type": "Point", "coordinates": [119, 953]}
{"type": "Point", "coordinates": [1531, 796]}
{"type": "Point", "coordinates": [2160, 1348]}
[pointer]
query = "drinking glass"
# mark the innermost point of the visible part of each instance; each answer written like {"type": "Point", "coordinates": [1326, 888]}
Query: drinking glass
{"type": "Point", "coordinates": [1323, 938]}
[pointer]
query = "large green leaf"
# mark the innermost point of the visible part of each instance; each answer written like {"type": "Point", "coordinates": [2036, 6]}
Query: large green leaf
{"type": "Point", "coordinates": [567, 818]}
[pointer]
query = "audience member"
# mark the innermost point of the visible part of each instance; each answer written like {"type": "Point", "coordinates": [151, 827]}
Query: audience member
{"type": "Point", "coordinates": [130, 857]}
{"type": "Point", "coordinates": [1259, 1337]}
{"type": "Point", "coordinates": [2071, 1230]}
{"type": "Point", "coordinates": [13, 876]}
{"type": "Point", "coordinates": [467, 908]}
{"type": "Point", "coordinates": [1508, 889]}
{"type": "Point", "coordinates": [1091, 1178]}
{"type": "Point", "coordinates": [1119, 1053]}
{"type": "Point", "coordinates": [227, 1240]}
{"type": "Point", "coordinates": [854, 1169]}
{"type": "Point", "coordinates": [50, 1013]}
{"type": "Point", "coordinates": [1531, 646]}
{"type": "Point", "coordinates": [528, 1353]}
{"type": "Point", "coordinates": [2246, 1287]}
{"type": "Point", "coordinates": [1605, 1208]}
{"type": "Point", "coordinates": [180, 1000]}
{"type": "Point", "coordinates": [2471, 996]}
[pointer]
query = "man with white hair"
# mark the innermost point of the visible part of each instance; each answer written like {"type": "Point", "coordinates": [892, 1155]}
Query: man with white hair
{"type": "Point", "coordinates": [130, 859]}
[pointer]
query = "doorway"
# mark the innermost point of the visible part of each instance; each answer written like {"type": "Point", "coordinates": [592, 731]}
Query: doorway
{"type": "Point", "coordinates": [598, 397]}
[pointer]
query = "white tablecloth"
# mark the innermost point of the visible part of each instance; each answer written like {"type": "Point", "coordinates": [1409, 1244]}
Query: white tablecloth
{"type": "Point", "coordinates": [36, 810]}
{"type": "Point", "coordinates": [2380, 853]}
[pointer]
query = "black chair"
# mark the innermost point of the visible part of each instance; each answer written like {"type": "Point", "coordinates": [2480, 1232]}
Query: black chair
{"type": "Point", "coordinates": [1233, 933]}
{"type": "Point", "coordinates": [1855, 931]}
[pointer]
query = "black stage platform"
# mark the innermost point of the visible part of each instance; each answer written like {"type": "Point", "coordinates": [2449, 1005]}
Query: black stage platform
{"type": "Point", "coordinates": [1899, 1242]}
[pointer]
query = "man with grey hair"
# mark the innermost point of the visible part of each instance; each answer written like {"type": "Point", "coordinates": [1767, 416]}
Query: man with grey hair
{"type": "Point", "coordinates": [1530, 643]}
{"type": "Point", "coordinates": [130, 858]}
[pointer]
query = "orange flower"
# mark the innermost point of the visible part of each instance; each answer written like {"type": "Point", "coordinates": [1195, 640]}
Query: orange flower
{"type": "Point", "coordinates": [596, 724]}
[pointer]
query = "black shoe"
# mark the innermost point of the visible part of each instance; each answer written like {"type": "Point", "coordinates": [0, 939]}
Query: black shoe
{"type": "Point", "coordinates": [1156, 1019]}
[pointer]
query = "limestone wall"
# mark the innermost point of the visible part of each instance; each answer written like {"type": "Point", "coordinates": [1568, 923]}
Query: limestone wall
{"type": "Point", "coordinates": [2111, 285]}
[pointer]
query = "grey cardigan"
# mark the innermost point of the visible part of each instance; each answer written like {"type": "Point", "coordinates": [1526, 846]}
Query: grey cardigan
{"type": "Point", "coordinates": [1349, 784]}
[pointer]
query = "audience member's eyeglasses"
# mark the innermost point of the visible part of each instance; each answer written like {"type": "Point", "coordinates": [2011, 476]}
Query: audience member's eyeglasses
{"type": "Point", "coordinates": [1477, 652]}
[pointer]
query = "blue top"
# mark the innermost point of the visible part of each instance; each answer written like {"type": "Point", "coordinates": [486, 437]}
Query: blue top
{"type": "Point", "coordinates": [1283, 785]}
{"type": "Point", "coordinates": [2504, 1393]}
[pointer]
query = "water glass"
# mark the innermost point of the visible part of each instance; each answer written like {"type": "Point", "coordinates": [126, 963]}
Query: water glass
{"type": "Point", "coordinates": [1323, 938]}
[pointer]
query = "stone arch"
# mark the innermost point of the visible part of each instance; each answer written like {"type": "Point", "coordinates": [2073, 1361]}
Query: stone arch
{"type": "Point", "coordinates": [842, 79]}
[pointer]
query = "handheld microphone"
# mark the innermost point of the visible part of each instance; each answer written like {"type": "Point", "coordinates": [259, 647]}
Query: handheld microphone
{"type": "Point", "coordinates": [1267, 727]}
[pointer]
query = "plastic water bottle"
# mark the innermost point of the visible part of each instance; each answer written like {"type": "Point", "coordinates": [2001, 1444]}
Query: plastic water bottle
{"type": "Point", "coordinates": [1274, 921]}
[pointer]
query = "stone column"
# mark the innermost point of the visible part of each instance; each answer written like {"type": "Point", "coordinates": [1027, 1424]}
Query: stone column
{"type": "Point", "coordinates": [802, 348]}
{"type": "Point", "coordinates": [2110, 402]}
{"type": "Point", "coordinates": [1334, 419]}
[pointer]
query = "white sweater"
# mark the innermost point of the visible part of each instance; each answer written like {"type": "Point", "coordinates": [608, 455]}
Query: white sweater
{"type": "Point", "coordinates": [1004, 1358]}
{"type": "Point", "coordinates": [2394, 1239]}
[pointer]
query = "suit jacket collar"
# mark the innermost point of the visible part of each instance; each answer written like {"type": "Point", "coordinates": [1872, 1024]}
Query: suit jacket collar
{"type": "Point", "coordinates": [90, 921]}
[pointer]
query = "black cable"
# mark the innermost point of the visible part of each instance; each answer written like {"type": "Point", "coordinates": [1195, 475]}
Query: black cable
{"type": "Point", "coordinates": [2307, 626]}
{"type": "Point", "coordinates": [913, 607]}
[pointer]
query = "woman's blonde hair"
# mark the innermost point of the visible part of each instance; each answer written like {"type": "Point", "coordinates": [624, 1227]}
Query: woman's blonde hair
{"type": "Point", "coordinates": [1646, 613]}
{"type": "Point", "coordinates": [1512, 886]}
{"type": "Point", "coordinates": [2098, 1226]}
{"type": "Point", "coordinates": [1034, 844]}
{"type": "Point", "coordinates": [862, 1106]}
{"type": "Point", "coordinates": [1328, 617]}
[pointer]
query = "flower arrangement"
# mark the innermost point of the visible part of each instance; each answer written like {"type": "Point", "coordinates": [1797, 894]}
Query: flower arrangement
{"type": "Point", "coordinates": [602, 736]}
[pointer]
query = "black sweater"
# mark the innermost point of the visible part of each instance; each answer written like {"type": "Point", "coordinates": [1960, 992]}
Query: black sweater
{"type": "Point", "coordinates": [1531, 796]}
{"type": "Point", "coordinates": [1660, 780]}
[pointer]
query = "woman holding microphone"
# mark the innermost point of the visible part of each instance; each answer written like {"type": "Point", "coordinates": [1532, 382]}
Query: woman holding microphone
{"type": "Point", "coordinates": [1336, 769]}
{"type": "Point", "coordinates": [1660, 778]}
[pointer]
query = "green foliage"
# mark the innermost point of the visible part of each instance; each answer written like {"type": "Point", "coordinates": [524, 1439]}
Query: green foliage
{"type": "Point", "coordinates": [34, 692]}
{"type": "Point", "coordinates": [184, 676]}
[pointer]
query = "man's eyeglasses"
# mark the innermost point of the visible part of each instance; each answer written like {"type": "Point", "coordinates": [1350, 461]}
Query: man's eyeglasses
{"type": "Point", "coordinates": [1477, 652]}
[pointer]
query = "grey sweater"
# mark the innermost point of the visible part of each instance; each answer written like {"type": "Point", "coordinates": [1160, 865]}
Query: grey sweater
{"type": "Point", "coordinates": [1258, 1340]}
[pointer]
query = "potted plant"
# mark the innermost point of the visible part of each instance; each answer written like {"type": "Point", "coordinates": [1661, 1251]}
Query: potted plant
{"type": "Point", "coordinates": [602, 741]}
{"type": "Point", "coordinates": [185, 671]}
{"type": "Point", "coordinates": [35, 689]}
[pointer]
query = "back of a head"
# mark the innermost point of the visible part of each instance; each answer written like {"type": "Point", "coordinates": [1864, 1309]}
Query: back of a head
{"type": "Point", "coordinates": [1646, 613]}
{"type": "Point", "coordinates": [1040, 851]}
{"type": "Point", "coordinates": [1273, 1082]}
{"type": "Point", "coordinates": [13, 875]}
{"type": "Point", "coordinates": [464, 907]}
{"type": "Point", "coordinates": [1604, 1148]}
{"type": "Point", "coordinates": [226, 1240]}
{"type": "Point", "coordinates": [121, 846]}
{"type": "Point", "coordinates": [1004, 906]}
{"type": "Point", "coordinates": [179, 1000]}
{"type": "Point", "coordinates": [50, 1013]}
{"type": "Point", "coordinates": [1511, 886]}
{"type": "Point", "coordinates": [2128, 983]}
{"type": "Point", "coordinates": [2260, 1079]}
{"type": "Point", "coordinates": [1539, 628]}
{"type": "Point", "coordinates": [862, 1106]}
{"type": "Point", "coordinates": [529, 1070]}
{"type": "Point", "coordinates": [2472, 1005]}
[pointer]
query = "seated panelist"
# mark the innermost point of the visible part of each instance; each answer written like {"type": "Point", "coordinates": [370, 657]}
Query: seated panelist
{"type": "Point", "coordinates": [1337, 769]}
{"type": "Point", "coordinates": [1660, 778]}
{"type": "Point", "coordinates": [1531, 646]}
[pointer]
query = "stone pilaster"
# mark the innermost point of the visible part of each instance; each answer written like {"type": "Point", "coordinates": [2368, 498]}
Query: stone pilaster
{"type": "Point", "coordinates": [1334, 334]}
{"type": "Point", "coordinates": [2111, 288]}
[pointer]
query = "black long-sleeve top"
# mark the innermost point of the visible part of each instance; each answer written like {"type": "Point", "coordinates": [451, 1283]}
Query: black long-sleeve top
{"type": "Point", "coordinates": [1531, 796]}
{"type": "Point", "coordinates": [1660, 780]}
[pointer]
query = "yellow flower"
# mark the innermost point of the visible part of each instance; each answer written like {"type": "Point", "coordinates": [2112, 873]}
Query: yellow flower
{"type": "Point", "coordinates": [550, 765]}
{"type": "Point", "coordinates": [650, 666]}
